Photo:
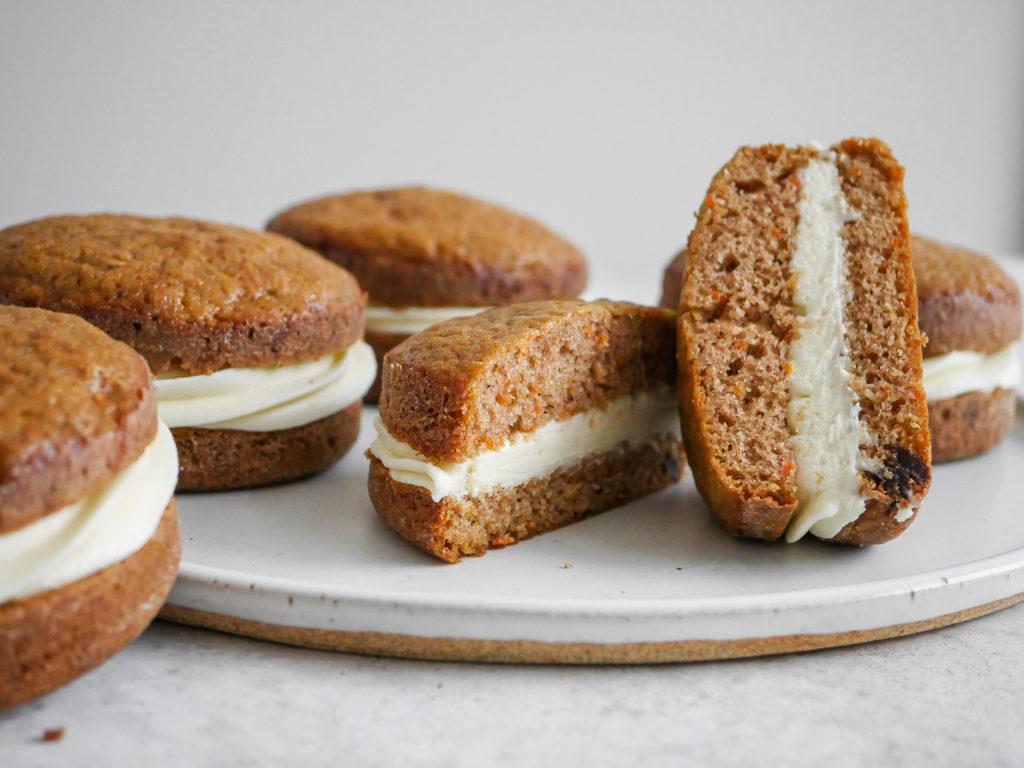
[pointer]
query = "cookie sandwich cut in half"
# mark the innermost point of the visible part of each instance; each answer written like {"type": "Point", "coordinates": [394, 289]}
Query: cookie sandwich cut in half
{"type": "Point", "coordinates": [970, 312]}
{"type": "Point", "coordinates": [89, 541]}
{"type": "Point", "coordinates": [522, 419]}
{"type": "Point", "coordinates": [255, 341]}
{"type": "Point", "coordinates": [427, 255]}
{"type": "Point", "coordinates": [800, 357]}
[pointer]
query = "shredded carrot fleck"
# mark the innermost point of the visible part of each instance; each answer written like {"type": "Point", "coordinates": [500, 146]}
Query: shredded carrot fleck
{"type": "Point", "coordinates": [710, 201]}
{"type": "Point", "coordinates": [788, 469]}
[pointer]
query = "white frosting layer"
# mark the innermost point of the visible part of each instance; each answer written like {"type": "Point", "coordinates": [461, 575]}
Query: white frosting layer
{"type": "Point", "coordinates": [269, 398]}
{"type": "Point", "coordinates": [958, 373]}
{"type": "Point", "coordinates": [525, 456]}
{"type": "Point", "coordinates": [412, 319]}
{"type": "Point", "coordinates": [86, 537]}
{"type": "Point", "coordinates": [823, 412]}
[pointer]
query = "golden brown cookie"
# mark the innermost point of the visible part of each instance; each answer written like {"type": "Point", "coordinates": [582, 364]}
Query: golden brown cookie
{"type": "Point", "coordinates": [80, 452]}
{"type": "Point", "coordinates": [418, 247]}
{"type": "Point", "coordinates": [965, 300]}
{"type": "Point", "coordinates": [464, 395]}
{"type": "Point", "coordinates": [214, 459]}
{"type": "Point", "coordinates": [967, 304]}
{"type": "Point", "coordinates": [741, 320]}
{"type": "Point", "coordinates": [52, 456]}
{"type": "Point", "coordinates": [184, 293]}
{"type": "Point", "coordinates": [196, 298]}
{"type": "Point", "coordinates": [50, 639]}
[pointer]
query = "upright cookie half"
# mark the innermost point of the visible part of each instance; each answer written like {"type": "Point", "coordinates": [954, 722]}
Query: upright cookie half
{"type": "Point", "coordinates": [800, 356]}
{"type": "Point", "coordinates": [513, 422]}
{"type": "Point", "coordinates": [426, 255]}
{"type": "Point", "coordinates": [970, 310]}
{"type": "Point", "coordinates": [89, 540]}
{"type": "Point", "coordinates": [255, 340]}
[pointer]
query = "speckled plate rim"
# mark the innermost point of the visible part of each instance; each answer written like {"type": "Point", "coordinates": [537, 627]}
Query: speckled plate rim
{"type": "Point", "coordinates": [536, 652]}
{"type": "Point", "coordinates": [854, 608]}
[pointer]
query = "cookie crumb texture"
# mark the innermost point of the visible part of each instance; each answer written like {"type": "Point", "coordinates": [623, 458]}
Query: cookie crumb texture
{"type": "Point", "coordinates": [224, 459]}
{"type": "Point", "coordinates": [51, 457]}
{"type": "Point", "coordinates": [48, 640]}
{"type": "Point", "coordinates": [737, 323]}
{"type": "Point", "coordinates": [184, 293]}
{"type": "Point", "coordinates": [416, 246]}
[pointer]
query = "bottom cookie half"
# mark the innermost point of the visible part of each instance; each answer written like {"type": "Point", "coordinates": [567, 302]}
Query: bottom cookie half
{"type": "Point", "coordinates": [222, 459]}
{"type": "Point", "coordinates": [49, 639]}
{"type": "Point", "coordinates": [468, 526]}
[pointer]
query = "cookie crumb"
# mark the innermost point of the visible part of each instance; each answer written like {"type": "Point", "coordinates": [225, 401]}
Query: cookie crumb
{"type": "Point", "coordinates": [566, 565]}
{"type": "Point", "coordinates": [53, 734]}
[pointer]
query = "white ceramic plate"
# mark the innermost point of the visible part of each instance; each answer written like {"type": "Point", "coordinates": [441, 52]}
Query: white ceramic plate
{"type": "Point", "coordinates": [314, 555]}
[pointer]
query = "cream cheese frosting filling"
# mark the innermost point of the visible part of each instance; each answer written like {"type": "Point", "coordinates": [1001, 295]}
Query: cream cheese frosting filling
{"type": "Point", "coordinates": [266, 399]}
{"type": "Point", "coordinates": [410, 320]}
{"type": "Point", "coordinates": [98, 531]}
{"type": "Point", "coordinates": [823, 413]}
{"type": "Point", "coordinates": [525, 456]}
{"type": "Point", "coordinates": [959, 372]}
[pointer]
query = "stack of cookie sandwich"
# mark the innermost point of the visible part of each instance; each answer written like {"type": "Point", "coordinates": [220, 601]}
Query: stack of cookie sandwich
{"type": "Point", "coordinates": [89, 539]}
{"type": "Point", "coordinates": [255, 341]}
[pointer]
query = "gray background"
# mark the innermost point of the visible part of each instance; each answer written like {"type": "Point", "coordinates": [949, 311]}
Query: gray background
{"type": "Point", "coordinates": [605, 120]}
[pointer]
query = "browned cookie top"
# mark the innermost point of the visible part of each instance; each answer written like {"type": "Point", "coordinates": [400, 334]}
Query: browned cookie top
{"type": "Point", "coordinates": [76, 407]}
{"type": "Point", "coordinates": [965, 300]}
{"type": "Point", "coordinates": [464, 385]}
{"type": "Point", "coordinates": [184, 293]}
{"type": "Point", "coordinates": [416, 246]}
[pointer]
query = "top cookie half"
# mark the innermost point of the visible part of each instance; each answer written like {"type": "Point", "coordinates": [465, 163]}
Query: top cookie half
{"type": "Point", "coordinates": [966, 301]}
{"type": "Point", "coordinates": [184, 293]}
{"type": "Point", "coordinates": [76, 407]}
{"type": "Point", "coordinates": [464, 386]}
{"type": "Point", "coordinates": [431, 248]}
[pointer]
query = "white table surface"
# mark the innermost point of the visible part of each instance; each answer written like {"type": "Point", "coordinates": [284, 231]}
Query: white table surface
{"type": "Point", "coordinates": [181, 696]}
{"type": "Point", "coordinates": [184, 696]}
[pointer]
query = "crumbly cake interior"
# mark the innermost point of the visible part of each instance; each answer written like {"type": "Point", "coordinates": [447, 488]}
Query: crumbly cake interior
{"type": "Point", "coordinates": [737, 296]}
{"type": "Point", "coordinates": [881, 328]}
{"type": "Point", "coordinates": [464, 386]}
